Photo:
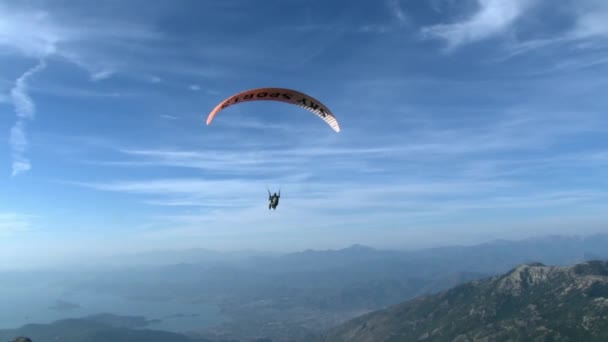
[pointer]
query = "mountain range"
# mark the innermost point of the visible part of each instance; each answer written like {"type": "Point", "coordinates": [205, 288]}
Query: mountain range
{"type": "Point", "coordinates": [297, 295]}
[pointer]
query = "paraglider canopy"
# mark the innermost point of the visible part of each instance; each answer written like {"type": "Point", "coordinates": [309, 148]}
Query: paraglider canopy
{"type": "Point", "coordinates": [282, 95]}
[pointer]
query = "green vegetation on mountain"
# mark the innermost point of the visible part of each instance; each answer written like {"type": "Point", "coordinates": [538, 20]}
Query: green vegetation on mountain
{"type": "Point", "coordinates": [531, 302]}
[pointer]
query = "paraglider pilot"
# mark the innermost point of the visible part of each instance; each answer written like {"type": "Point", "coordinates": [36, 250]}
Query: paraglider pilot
{"type": "Point", "coordinates": [273, 200]}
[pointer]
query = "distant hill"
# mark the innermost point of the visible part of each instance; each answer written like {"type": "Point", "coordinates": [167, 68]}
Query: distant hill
{"type": "Point", "coordinates": [531, 302]}
{"type": "Point", "coordinates": [98, 328]}
{"type": "Point", "coordinates": [170, 257]}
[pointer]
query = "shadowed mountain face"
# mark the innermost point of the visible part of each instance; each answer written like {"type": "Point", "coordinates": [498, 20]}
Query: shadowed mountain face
{"type": "Point", "coordinates": [531, 302]}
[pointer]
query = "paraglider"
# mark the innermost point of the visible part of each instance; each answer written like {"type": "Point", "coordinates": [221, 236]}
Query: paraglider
{"type": "Point", "coordinates": [285, 95]}
{"type": "Point", "coordinates": [282, 95]}
{"type": "Point", "coordinates": [273, 200]}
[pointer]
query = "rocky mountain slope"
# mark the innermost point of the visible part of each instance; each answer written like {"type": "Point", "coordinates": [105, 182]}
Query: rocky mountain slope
{"type": "Point", "coordinates": [532, 302]}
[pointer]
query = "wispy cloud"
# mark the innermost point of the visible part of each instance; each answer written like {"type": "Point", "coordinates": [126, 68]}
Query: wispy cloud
{"type": "Point", "coordinates": [218, 210]}
{"type": "Point", "coordinates": [102, 74]}
{"type": "Point", "coordinates": [25, 110]}
{"type": "Point", "coordinates": [308, 195]}
{"type": "Point", "coordinates": [12, 223]}
{"type": "Point", "coordinates": [398, 11]}
{"type": "Point", "coordinates": [492, 18]}
{"type": "Point", "coordinates": [37, 34]}
{"type": "Point", "coordinates": [169, 117]}
{"type": "Point", "coordinates": [471, 150]}
{"type": "Point", "coordinates": [41, 34]}
{"type": "Point", "coordinates": [592, 19]}
{"type": "Point", "coordinates": [588, 31]}
{"type": "Point", "coordinates": [154, 79]}
{"type": "Point", "coordinates": [30, 33]}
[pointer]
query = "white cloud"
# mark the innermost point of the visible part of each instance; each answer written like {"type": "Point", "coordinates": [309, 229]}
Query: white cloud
{"type": "Point", "coordinates": [588, 31]}
{"type": "Point", "coordinates": [154, 79]}
{"type": "Point", "coordinates": [589, 28]}
{"type": "Point", "coordinates": [102, 74]}
{"type": "Point", "coordinates": [12, 223]}
{"type": "Point", "coordinates": [25, 110]}
{"type": "Point", "coordinates": [20, 165]}
{"type": "Point", "coordinates": [169, 117]}
{"type": "Point", "coordinates": [30, 33]}
{"type": "Point", "coordinates": [194, 87]}
{"type": "Point", "coordinates": [398, 12]}
{"type": "Point", "coordinates": [24, 106]}
{"type": "Point", "coordinates": [592, 19]}
{"type": "Point", "coordinates": [242, 161]}
{"type": "Point", "coordinates": [493, 17]}
{"type": "Point", "coordinates": [42, 34]}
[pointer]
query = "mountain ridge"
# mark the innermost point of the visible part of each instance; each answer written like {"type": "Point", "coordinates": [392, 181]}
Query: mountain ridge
{"type": "Point", "coordinates": [531, 301]}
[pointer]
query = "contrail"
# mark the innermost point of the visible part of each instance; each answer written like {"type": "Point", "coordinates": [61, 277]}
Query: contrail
{"type": "Point", "coordinates": [25, 110]}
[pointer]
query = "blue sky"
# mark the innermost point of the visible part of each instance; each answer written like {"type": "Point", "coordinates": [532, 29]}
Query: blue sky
{"type": "Point", "coordinates": [462, 121]}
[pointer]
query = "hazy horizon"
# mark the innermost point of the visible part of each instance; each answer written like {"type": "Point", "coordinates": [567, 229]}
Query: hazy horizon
{"type": "Point", "coordinates": [65, 262]}
{"type": "Point", "coordinates": [462, 123]}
